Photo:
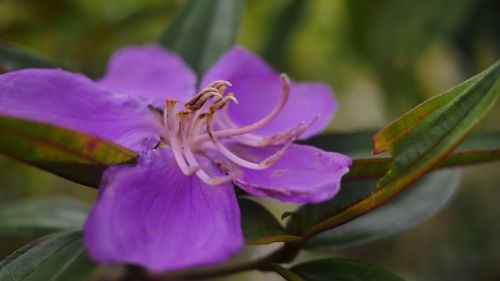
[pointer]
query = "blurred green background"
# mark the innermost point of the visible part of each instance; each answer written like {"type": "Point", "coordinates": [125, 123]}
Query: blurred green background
{"type": "Point", "coordinates": [380, 57]}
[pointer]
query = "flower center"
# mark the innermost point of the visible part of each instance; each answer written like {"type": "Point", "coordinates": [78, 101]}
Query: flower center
{"type": "Point", "coordinates": [204, 124]}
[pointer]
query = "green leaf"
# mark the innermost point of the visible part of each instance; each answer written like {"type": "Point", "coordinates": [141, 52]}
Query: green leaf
{"type": "Point", "coordinates": [14, 57]}
{"type": "Point", "coordinates": [424, 136]}
{"type": "Point", "coordinates": [477, 148]}
{"type": "Point", "coordinates": [203, 31]}
{"type": "Point", "coordinates": [260, 226]}
{"type": "Point", "coordinates": [41, 216]}
{"type": "Point", "coordinates": [342, 270]}
{"type": "Point", "coordinates": [73, 155]}
{"type": "Point", "coordinates": [412, 207]}
{"type": "Point", "coordinates": [420, 145]}
{"type": "Point", "coordinates": [58, 257]}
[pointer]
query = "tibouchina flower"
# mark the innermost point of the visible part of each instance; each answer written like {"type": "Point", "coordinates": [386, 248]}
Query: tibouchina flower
{"type": "Point", "coordinates": [176, 207]}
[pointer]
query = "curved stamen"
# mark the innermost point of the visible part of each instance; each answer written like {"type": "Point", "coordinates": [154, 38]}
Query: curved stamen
{"type": "Point", "coordinates": [185, 120]}
{"type": "Point", "coordinates": [277, 139]}
{"type": "Point", "coordinates": [199, 101]}
{"type": "Point", "coordinates": [259, 124]}
{"type": "Point", "coordinates": [249, 139]}
{"type": "Point", "coordinates": [215, 88]}
{"type": "Point", "coordinates": [259, 141]}
{"type": "Point", "coordinates": [283, 137]}
{"type": "Point", "coordinates": [220, 85]}
{"type": "Point", "coordinates": [222, 103]}
{"type": "Point", "coordinates": [195, 127]}
{"type": "Point", "coordinates": [199, 95]}
{"type": "Point", "coordinates": [170, 124]}
{"type": "Point", "coordinates": [217, 105]}
{"type": "Point", "coordinates": [222, 122]}
{"type": "Point", "coordinates": [264, 164]}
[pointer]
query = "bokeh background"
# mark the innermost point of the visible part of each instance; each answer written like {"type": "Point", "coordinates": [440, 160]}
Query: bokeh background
{"type": "Point", "coordinates": [381, 57]}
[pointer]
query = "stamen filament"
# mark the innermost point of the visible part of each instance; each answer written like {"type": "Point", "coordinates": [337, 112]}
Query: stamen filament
{"type": "Point", "coordinates": [216, 106]}
{"type": "Point", "coordinates": [169, 119]}
{"type": "Point", "coordinates": [185, 120]}
{"type": "Point", "coordinates": [184, 126]}
{"type": "Point", "coordinates": [258, 141]}
{"type": "Point", "coordinates": [264, 164]}
{"type": "Point", "coordinates": [259, 124]}
{"type": "Point", "coordinates": [220, 85]}
{"type": "Point", "coordinates": [284, 136]}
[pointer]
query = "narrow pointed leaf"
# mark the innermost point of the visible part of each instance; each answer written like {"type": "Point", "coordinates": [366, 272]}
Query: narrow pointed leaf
{"type": "Point", "coordinates": [260, 226]}
{"type": "Point", "coordinates": [423, 146]}
{"type": "Point", "coordinates": [57, 257]}
{"type": "Point", "coordinates": [421, 139]}
{"type": "Point", "coordinates": [342, 270]}
{"type": "Point", "coordinates": [478, 148]}
{"type": "Point", "coordinates": [203, 31]}
{"type": "Point", "coordinates": [41, 216]}
{"type": "Point", "coordinates": [73, 155]}
{"type": "Point", "coordinates": [13, 58]}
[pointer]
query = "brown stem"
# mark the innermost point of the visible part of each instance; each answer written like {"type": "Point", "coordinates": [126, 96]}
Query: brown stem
{"type": "Point", "coordinates": [262, 264]}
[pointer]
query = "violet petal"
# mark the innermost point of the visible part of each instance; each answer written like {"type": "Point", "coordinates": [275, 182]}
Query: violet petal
{"type": "Point", "coordinates": [73, 101]}
{"type": "Point", "coordinates": [258, 88]}
{"type": "Point", "coordinates": [151, 73]}
{"type": "Point", "coordinates": [152, 215]}
{"type": "Point", "coordinates": [304, 174]}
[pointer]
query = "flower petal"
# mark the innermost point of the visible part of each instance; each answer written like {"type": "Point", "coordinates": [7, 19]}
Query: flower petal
{"type": "Point", "coordinates": [152, 215]}
{"type": "Point", "coordinates": [151, 73]}
{"type": "Point", "coordinates": [71, 100]}
{"type": "Point", "coordinates": [258, 88]}
{"type": "Point", "coordinates": [304, 174]}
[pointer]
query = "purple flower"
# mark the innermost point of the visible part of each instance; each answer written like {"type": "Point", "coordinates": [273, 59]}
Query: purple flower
{"type": "Point", "coordinates": [176, 207]}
